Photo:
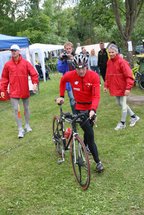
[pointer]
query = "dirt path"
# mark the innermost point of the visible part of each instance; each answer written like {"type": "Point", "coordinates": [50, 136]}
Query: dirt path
{"type": "Point", "coordinates": [134, 99]}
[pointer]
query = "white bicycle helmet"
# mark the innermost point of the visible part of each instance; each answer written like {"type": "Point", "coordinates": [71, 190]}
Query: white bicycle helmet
{"type": "Point", "coordinates": [80, 61]}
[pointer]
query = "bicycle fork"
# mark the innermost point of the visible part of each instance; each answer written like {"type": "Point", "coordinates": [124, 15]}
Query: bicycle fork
{"type": "Point", "coordinates": [60, 161]}
{"type": "Point", "coordinates": [76, 153]}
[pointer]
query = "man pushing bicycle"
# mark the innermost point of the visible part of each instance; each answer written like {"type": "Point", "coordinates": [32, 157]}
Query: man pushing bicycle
{"type": "Point", "coordinates": [86, 90]}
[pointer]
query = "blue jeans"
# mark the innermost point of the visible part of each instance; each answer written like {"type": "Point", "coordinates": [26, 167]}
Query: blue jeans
{"type": "Point", "coordinates": [72, 100]}
{"type": "Point", "coordinates": [96, 69]}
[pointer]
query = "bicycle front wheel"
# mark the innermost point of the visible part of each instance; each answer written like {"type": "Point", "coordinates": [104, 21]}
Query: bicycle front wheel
{"type": "Point", "coordinates": [80, 162]}
{"type": "Point", "coordinates": [57, 135]}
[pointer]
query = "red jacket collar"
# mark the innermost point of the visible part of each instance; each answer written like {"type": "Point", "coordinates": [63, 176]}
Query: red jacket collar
{"type": "Point", "coordinates": [115, 58]}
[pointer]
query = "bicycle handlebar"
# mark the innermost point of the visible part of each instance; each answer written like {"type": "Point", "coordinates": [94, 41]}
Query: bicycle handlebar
{"type": "Point", "coordinates": [75, 117]}
{"type": "Point", "coordinates": [78, 117]}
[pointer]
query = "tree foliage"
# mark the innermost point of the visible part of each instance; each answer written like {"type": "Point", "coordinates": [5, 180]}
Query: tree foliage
{"type": "Point", "coordinates": [89, 22]}
{"type": "Point", "coordinates": [131, 12]}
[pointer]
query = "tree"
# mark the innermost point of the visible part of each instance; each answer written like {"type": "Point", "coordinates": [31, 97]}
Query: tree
{"type": "Point", "coordinates": [60, 20]}
{"type": "Point", "coordinates": [131, 13]}
{"type": "Point", "coordinates": [138, 32]}
{"type": "Point", "coordinates": [87, 23]}
{"type": "Point", "coordinates": [94, 17]}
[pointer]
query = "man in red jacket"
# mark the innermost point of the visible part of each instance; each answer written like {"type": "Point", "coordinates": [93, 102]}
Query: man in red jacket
{"type": "Point", "coordinates": [15, 76]}
{"type": "Point", "coordinates": [119, 81]}
{"type": "Point", "coordinates": [86, 90]}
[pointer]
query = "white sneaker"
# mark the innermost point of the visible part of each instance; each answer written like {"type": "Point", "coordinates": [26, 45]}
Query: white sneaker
{"type": "Point", "coordinates": [134, 120]}
{"type": "Point", "coordinates": [120, 126]}
{"type": "Point", "coordinates": [28, 128]}
{"type": "Point", "coordinates": [21, 133]}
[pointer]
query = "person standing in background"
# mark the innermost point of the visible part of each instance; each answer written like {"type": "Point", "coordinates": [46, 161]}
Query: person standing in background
{"type": "Point", "coordinates": [119, 81]}
{"type": "Point", "coordinates": [65, 64]}
{"type": "Point", "coordinates": [102, 60]}
{"type": "Point", "coordinates": [93, 62]}
{"type": "Point", "coordinates": [84, 52]}
{"type": "Point", "coordinates": [15, 74]}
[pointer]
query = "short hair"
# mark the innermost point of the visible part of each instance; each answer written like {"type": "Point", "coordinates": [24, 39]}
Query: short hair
{"type": "Point", "coordinates": [68, 44]}
{"type": "Point", "coordinates": [114, 47]}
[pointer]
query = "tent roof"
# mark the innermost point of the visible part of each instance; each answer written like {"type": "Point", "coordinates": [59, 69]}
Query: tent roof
{"type": "Point", "coordinates": [44, 47]}
{"type": "Point", "coordinates": [6, 41]}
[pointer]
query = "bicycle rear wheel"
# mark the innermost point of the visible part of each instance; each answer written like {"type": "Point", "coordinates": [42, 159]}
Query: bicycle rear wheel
{"type": "Point", "coordinates": [58, 135]}
{"type": "Point", "coordinates": [80, 162]}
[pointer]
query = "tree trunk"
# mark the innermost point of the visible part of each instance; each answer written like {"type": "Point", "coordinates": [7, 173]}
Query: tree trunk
{"type": "Point", "coordinates": [132, 11]}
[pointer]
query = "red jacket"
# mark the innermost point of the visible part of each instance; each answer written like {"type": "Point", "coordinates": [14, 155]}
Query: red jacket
{"type": "Point", "coordinates": [119, 76]}
{"type": "Point", "coordinates": [16, 75]}
{"type": "Point", "coordinates": [86, 90]}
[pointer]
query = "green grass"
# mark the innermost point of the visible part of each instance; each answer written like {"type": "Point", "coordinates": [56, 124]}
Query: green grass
{"type": "Point", "coordinates": [31, 181]}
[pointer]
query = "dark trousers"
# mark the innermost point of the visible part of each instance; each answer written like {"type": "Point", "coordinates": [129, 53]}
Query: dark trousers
{"type": "Point", "coordinates": [103, 73]}
{"type": "Point", "coordinates": [87, 127]}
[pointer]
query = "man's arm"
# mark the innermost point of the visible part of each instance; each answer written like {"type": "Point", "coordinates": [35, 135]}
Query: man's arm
{"type": "Point", "coordinates": [62, 66]}
{"type": "Point", "coordinates": [4, 81]}
{"type": "Point", "coordinates": [62, 88]}
{"type": "Point", "coordinates": [128, 75]}
{"type": "Point", "coordinates": [95, 92]}
{"type": "Point", "coordinates": [33, 73]}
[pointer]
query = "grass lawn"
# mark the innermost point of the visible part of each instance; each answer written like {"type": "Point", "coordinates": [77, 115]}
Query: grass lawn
{"type": "Point", "coordinates": [31, 181]}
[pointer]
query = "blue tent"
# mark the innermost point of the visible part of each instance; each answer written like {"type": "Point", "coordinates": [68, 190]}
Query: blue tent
{"type": "Point", "coordinates": [6, 41]}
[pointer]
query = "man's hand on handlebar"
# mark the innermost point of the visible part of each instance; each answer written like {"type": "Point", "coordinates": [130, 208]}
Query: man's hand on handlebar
{"type": "Point", "coordinates": [93, 116]}
{"type": "Point", "coordinates": [60, 100]}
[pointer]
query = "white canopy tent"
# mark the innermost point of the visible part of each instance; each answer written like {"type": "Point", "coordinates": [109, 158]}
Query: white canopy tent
{"type": "Point", "coordinates": [42, 51]}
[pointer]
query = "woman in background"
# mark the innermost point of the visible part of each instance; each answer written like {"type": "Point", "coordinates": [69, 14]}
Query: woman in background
{"type": "Point", "coordinates": [93, 62]}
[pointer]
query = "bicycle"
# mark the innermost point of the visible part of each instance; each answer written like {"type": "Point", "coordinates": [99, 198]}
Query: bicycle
{"type": "Point", "coordinates": [139, 79]}
{"type": "Point", "coordinates": [139, 76]}
{"type": "Point", "coordinates": [79, 155]}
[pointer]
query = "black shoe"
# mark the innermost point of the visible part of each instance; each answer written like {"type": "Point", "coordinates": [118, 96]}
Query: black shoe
{"type": "Point", "coordinates": [99, 167]}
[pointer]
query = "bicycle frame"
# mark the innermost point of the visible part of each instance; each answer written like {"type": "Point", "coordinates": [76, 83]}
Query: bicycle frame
{"type": "Point", "coordinates": [72, 120]}
{"type": "Point", "coordinates": [79, 156]}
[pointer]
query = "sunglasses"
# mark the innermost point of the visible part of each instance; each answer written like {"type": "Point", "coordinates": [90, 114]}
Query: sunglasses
{"type": "Point", "coordinates": [13, 50]}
